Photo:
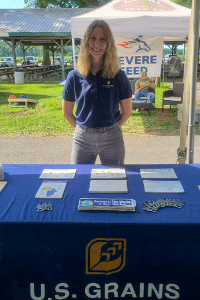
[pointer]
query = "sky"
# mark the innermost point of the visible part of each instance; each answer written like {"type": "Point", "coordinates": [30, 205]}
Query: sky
{"type": "Point", "coordinates": [11, 4]}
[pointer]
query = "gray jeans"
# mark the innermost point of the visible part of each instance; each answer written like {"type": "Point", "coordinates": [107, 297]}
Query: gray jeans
{"type": "Point", "coordinates": [106, 142]}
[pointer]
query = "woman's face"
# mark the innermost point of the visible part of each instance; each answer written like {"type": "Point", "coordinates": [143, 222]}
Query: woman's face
{"type": "Point", "coordinates": [97, 43]}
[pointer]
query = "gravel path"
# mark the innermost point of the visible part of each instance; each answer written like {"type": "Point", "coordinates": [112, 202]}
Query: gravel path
{"type": "Point", "coordinates": [140, 149]}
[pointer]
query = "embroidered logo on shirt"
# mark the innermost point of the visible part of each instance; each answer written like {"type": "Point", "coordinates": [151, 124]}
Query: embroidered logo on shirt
{"type": "Point", "coordinates": [108, 85]}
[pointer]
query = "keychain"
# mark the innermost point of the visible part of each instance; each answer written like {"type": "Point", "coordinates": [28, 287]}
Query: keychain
{"type": "Point", "coordinates": [44, 206]}
{"type": "Point", "coordinates": [153, 206]}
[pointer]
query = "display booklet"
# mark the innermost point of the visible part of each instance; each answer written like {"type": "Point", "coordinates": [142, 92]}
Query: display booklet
{"type": "Point", "coordinates": [108, 173]}
{"type": "Point", "coordinates": [161, 186]}
{"type": "Point", "coordinates": [108, 186]}
{"type": "Point", "coordinates": [51, 189]}
{"type": "Point", "coordinates": [2, 185]}
{"type": "Point", "coordinates": [158, 173]}
{"type": "Point", "coordinates": [58, 174]}
{"type": "Point", "coordinates": [106, 204]}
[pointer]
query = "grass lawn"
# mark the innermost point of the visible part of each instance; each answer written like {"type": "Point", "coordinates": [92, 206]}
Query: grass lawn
{"type": "Point", "coordinates": [45, 118]}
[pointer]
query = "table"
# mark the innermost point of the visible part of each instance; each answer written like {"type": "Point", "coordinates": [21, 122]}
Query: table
{"type": "Point", "coordinates": [7, 71]}
{"type": "Point", "coordinates": [41, 71]}
{"type": "Point", "coordinates": [68, 254]}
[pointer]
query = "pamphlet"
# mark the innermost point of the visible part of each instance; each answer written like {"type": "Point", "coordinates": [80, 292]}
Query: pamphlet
{"type": "Point", "coordinates": [108, 186]}
{"type": "Point", "coordinates": [161, 186]}
{"type": "Point", "coordinates": [110, 173]}
{"type": "Point", "coordinates": [158, 173]}
{"type": "Point", "coordinates": [2, 185]}
{"type": "Point", "coordinates": [51, 189]}
{"type": "Point", "coordinates": [144, 83]}
{"type": "Point", "coordinates": [107, 204]}
{"type": "Point", "coordinates": [58, 174]}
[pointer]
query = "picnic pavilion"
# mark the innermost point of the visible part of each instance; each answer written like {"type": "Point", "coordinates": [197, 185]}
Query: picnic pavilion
{"type": "Point", "coordinates": [38, 27]}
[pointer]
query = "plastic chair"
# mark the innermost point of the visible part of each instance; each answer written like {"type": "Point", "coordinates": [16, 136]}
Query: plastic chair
{"type": "Point", "coordinates": [173, 97]}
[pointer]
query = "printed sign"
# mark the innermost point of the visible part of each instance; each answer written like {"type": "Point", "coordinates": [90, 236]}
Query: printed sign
{"type": "Point", "coordinates": [105, 256]}
{"type": "Point", "coordinates": [138, 53]}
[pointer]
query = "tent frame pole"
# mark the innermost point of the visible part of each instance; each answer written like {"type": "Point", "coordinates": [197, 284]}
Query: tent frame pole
{"type": "Point", "coordinates": [189, 95]}
{"type": "Point", "coordinates": [73, 49]}
{"type": "Point", "coordinates": [194, 63]}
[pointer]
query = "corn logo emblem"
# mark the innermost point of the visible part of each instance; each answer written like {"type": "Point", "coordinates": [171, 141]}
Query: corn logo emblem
{"type": "Point", "coordinates": [105, 256]}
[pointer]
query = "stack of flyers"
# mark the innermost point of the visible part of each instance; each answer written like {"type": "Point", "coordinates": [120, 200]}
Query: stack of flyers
{"type": "Point", "coordinates": [165, 173]}
{"type": "Point", "coordinates": [110, 173]}
{"type": "Point", "coordinates": [51, 189]}
{"type": "Point", "coordinates": [58, 174]}
{"type": "Point", "coordinates": [106, 204]}
{"type": "Point", "coordinates": [162, 186]}
{"type": "Point", "coordinates": [1, 172]}
{"type": "Point", "coordinates": [108, 186]}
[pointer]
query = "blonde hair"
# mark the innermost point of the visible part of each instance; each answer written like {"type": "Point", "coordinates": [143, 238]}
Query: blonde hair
{"type": "Point", "coordinates": [111, 64]}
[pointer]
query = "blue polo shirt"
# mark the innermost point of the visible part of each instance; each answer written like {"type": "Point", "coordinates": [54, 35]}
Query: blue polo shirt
{"type": "Point", "coordinates": [97, 98]}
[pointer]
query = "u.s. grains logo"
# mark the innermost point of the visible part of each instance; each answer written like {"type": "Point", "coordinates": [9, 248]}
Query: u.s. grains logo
{"type": "Point", "coordinates": [105, 256]}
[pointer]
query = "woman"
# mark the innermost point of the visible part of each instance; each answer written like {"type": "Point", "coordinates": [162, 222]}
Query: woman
{"type": "Point", "coordinates": [99, 88]}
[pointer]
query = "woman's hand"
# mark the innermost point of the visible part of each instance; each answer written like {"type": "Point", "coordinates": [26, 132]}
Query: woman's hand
{"type": "Point", "coordinates": [67, 109]}
{"type": "Point", "coordinates": [126, 110]}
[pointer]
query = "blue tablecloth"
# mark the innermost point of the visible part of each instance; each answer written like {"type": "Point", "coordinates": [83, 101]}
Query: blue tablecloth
{"type": "Point", "coordinates": [66, 253]}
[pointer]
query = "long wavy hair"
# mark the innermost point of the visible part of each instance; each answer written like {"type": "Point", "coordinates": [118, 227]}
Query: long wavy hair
{"type": "Point", "coordinates": [110, 64]}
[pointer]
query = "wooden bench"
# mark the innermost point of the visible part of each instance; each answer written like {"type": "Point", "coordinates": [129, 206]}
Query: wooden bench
{"type": "Point", "coordinates": [20, 100]}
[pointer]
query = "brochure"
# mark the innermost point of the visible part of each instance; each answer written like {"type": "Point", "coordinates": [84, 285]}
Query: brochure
{"type": "Point", "coordinates": [108, 186]}
{"type": "Point", "coordinates": [110, 173]}
{"type": "Point", "coordinates": [51, 189]}
{"type": "Point", "coordinates": [2, 185]}
{"type": "Point", "coordinates": [158, 173]}
{"type": "Point", "coordinates": [107, 204]}
{"type": "Point", "coordinates": [58, 174]}
{"type": "Point", "coordinates": [161, 186]}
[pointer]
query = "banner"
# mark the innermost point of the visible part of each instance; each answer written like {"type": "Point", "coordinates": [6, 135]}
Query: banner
{"type": "Point", "coordinates": [138, 53]}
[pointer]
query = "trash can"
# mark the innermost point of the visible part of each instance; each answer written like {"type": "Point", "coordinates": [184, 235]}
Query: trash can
{"type": "Point", "coordinates": [19, 76]}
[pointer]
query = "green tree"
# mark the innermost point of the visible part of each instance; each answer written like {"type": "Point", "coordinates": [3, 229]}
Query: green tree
{"type": "Point", "coordinates": [186, 3]}
{"type": "Point", "coordinates": [64, 3]}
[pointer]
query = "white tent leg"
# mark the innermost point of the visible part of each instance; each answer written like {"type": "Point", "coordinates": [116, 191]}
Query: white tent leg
{"type": "Point", "coordinates": [189, 85]}
{"type": "Point", "coordinates": [195, 59]}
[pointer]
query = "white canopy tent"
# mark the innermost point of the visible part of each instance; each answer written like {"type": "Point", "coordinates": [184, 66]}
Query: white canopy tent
{"type": "Point", "coordinates": [148, 18]}
{"type": "Point", "coordinates": [138, 17]}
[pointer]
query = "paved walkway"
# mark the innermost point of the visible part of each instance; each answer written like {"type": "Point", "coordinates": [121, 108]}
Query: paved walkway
{"type": "Point", "coordinates": [140, 149]}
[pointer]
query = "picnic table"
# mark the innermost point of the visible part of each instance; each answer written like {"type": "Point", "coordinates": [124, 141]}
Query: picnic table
{"type": "Point", "coordinates": [7, 71]}
{"type": "Point", "coordinates": [40, 71]}
{"type": "Point", "coordinates": [36, 72]}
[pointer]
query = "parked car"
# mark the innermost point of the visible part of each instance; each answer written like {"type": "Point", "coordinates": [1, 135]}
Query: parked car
{"type": "Point", "coordinates": [72, 60]}
{"type": "Point", "coordinates": [7, 62]}
{"type": "Point", "coordinates": [30, 60]}
{"type": "Point", "coordinates": [58, 61]}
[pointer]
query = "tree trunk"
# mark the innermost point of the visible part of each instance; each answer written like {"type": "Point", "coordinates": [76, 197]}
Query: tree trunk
{"type": "Point", "coordinates": [46, 58]}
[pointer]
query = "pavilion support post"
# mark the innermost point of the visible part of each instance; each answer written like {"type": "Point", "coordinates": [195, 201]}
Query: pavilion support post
{"type": "Point", "coordinates": [24, 52]}
{"type": "Point", "coordinates": [62, 56]}
{"type": "Point", "coordinates": [189, 95]}
{"type": "Point", "coordinates": [14, 53]}
{"type": "Point", "coordinates": [53, 54]}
